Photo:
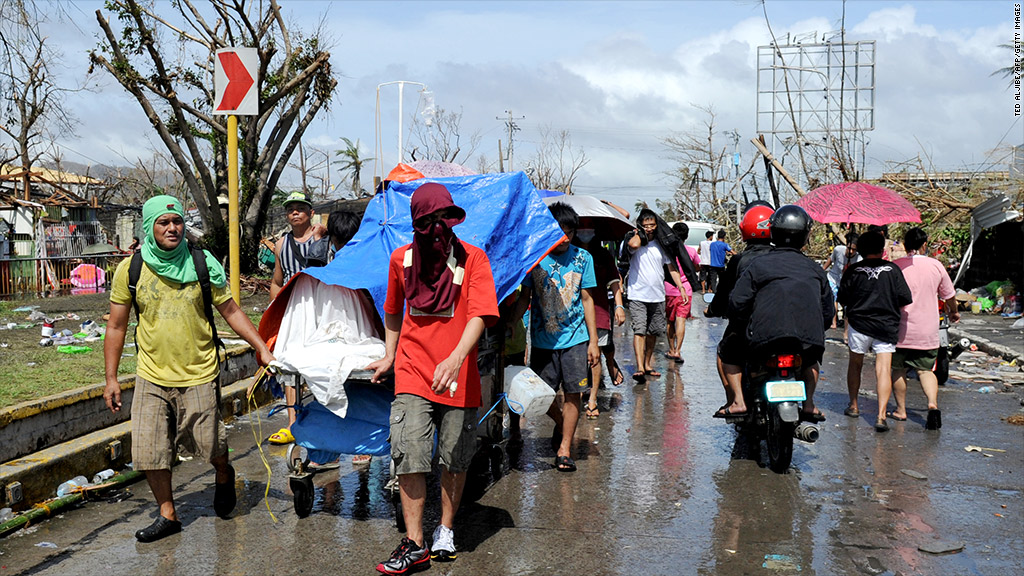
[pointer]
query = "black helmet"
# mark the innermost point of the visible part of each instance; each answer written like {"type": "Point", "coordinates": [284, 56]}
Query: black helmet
{"type": "Point", "coordinates": [790, 226]}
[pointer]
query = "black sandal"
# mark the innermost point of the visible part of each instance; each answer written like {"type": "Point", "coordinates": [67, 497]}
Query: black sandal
{"type": "Point", "coordinates": [160, 528]}
{"type": "Point", "coordinates": [565, 464]}
{"type": "Point", "coordinates": [224, 498]}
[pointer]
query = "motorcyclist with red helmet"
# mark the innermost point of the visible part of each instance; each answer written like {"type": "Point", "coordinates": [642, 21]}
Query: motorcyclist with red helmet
{"type": "Point", "coordinates": [784, 300]}
{"type": "Point", "coordinates": [755, 228]}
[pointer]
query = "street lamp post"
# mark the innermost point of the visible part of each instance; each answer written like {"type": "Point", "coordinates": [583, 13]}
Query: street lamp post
{"type": "Point", "coordinates": [401, 94]}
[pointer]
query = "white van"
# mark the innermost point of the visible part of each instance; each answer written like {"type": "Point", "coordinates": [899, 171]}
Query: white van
{"type": "Point", "coordinates": [697, 231]}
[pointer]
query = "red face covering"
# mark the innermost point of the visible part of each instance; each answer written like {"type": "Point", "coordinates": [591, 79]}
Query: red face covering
{"type": "Point", "coordinates": [433, 280]}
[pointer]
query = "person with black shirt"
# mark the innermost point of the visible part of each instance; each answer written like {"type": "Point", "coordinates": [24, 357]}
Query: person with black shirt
{"type": "Point", "coordinates": [732, 349]}
{"type": "Point", "coordinates": [872, 293]}
{"type": "Point", "coordinates": [784, 299]}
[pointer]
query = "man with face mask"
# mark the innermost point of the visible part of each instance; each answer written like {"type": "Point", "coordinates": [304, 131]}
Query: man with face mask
{"type": "Point", "coordinates": [446, 289]}
{"type": "Point", "coordinates": [176, 394]}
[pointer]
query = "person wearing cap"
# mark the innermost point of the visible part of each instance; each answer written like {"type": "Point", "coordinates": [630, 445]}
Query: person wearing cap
{"type": "Point", "coordinates": [440, 297]}
{"type": "Point", "coordinates": [288, 262]}
{"type": "Point", "coordinates": [176, 390]}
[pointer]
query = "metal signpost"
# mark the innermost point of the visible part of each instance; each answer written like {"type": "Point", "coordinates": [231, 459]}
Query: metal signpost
{"type": "Point", "coordinates": [236, 71]}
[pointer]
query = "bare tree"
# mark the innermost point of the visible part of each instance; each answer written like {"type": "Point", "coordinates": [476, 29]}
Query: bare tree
{"type": "Point", "coordinates": [440, 138]}
{"type": "Point", "coordinates": [352, 163]}
{"type": "Point", "coordinates": [703, 186]}
{"type": "Point", "coordinates": [556, 164]}
{"type": "Point", "coordinates": [314, 164]}
{"type": "Point", "coordinates": [173, 85]}
{"type": "Point", "coordinates": [33, 112]}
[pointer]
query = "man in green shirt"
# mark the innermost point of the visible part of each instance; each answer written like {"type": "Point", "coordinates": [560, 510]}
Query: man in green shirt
{"type": "Point", "coordinates": [176, 389]}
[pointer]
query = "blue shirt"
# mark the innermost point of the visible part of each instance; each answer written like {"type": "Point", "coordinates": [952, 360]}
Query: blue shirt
{"type": "Point", "coordinates": [718, 250]}
{"type": "Point", "coordinates": [557, 283]}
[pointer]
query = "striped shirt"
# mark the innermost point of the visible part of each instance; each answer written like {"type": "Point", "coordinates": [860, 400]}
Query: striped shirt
{"type": "Point", "coordinates": [290, 264]}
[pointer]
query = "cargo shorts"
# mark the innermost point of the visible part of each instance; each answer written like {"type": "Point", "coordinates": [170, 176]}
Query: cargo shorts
{"type": "Point", "coordinates": [165, 417]}
{"type": "Point", "coordinates": [414, 423]}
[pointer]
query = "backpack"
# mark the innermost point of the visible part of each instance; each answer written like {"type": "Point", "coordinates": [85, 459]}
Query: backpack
{"type": "Point", "coordinates": [317, 253]}
{"type": "Point", "coordinates": [199, 260]}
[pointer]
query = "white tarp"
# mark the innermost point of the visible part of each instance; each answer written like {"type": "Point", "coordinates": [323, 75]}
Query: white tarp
{"type": "Point", "coordinates": [326, 332]}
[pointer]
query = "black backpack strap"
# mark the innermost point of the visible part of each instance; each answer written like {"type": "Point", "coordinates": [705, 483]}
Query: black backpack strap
{"type": "Point", "coordinates": [295, 250]}
{"type": "Point", "coordinates": [199, 259]}
{"type": "Point", "coordinates": [134, 271]}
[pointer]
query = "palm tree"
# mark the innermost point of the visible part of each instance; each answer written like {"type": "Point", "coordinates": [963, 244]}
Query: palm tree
{"type": "Point", "coordinates": [352, 164]}
{"type": "Point", "coordinates": [1008, 71]}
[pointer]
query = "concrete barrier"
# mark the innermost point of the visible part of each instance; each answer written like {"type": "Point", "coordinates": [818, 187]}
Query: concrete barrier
{"type": "Point", "coordinates": [32, 426]}
{"type": "Point", "coordinates": [33, 476]}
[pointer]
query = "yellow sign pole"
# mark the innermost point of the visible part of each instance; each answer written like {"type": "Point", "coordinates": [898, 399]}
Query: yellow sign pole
{"type": "Point", "coordinates": [233, 239]}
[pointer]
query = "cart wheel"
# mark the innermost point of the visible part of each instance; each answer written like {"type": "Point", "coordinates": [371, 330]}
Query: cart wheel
{"type": "Point", "coordinates": [297, 458]}
{"type": "Point", "coordinates": [302, 491]}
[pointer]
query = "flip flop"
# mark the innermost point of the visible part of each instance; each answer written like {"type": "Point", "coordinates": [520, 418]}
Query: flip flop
{"type": "Point", "coordinates": [361, 459]}
{"type": "Point", "coordinates": [881, 425]}
{"type": "Point", "coordinates": [565, 464]}
{"type": "Point", "coordinates": [934, 421]}
{"type": "Point", "coordinates": [895, 417]}
{"type": "Point", "coordinates": [282, 436]}
{"type": "Point", "coordinates": [851, 412]}
{"type": "Point", "coordinates": [592, 413]}
{"type": "Point", "coordinates": [815, 416]}
{"type": "Point", "coordinates": [652, 373]}
{"type": "Point", "coordinates": [314, 467]}
{"type": "Point", "coordinates": [618, 379]}
{"type": "Point", "coordinates": [724, 412]}
{"type": "Point", "coordinates": [639, 377]}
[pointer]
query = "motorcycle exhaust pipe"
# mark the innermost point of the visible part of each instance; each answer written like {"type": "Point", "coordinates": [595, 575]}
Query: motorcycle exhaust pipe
{"type": "Point", "coordinates": [806, 431]}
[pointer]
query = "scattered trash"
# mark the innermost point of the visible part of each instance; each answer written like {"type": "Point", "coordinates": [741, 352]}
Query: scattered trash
{"type": "Point", "coordinates": [6, 514]}
{"type": "Point", "coordinates": [940, 547]}
{"type": "Point", "coordinates": [986, 389]}
{"type": "Point", "coordinates": [47, 330]}
{"type": "Point", "coordinates": [36, 316]}
{"type": "Point", "coordinates": [46, 545]}
{"type": "Point", "coordinates": [102, 476]}
{"type": "Point", "coordinates": [11, 325]}
{"type": "Point", "coordinates": [46, 342]}
{"type": "Point", "coordinates": [30, 364]}
{"type": "Point", "coordinates": [72, 485]}
{"type": "Point", "coordinates": [119, 496]}
{"type": "Point", "coordinates": [914, 474]}
{"type": "Point", "coordinates": [1018, 324]}
{"type": "Point", "coordinates": [981, 448]}
{"type": "Point", "coordinates": [1016, 420]}
{"type": "Point", "coordinates": [780, 562]}
{"type": "Point", "coordinates": [1000, 515]}
{"type": "Point", "coordinates": [74, 349]}
{"type": "Point", "coordinates": [25, 309]}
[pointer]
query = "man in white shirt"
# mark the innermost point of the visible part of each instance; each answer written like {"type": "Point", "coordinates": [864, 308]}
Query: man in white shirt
{"type": "Point", "coordinates": [704, 251]}
{"type": "Point", "coordinates": [645, 285]}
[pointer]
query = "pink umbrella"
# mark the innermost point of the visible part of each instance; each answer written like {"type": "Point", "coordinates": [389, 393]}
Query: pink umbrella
{"type": "Point", "coordinates": [857, 202]}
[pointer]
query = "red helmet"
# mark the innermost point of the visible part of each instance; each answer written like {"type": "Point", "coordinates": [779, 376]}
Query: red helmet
{"type": "Point", "coordinates": [755, 223]}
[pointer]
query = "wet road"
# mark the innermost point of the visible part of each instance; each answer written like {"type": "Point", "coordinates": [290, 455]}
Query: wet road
{"type": "Point", "coordinates": [662, 488]}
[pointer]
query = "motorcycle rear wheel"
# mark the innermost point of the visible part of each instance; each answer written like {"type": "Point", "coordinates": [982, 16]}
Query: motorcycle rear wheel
{"type": "Point", "coordinates": [780, 443]}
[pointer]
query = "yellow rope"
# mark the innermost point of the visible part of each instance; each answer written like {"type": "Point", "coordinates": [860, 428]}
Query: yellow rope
{"type": "Point", "coordinates": [257, 433]}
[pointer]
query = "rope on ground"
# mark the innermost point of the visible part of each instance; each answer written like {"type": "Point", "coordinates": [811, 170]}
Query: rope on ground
{"type": "Point", "coordinates": [257, 433]}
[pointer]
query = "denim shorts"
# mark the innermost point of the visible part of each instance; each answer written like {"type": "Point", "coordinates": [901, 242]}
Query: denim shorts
{"type": "Point", "coordinates": [414, 423]}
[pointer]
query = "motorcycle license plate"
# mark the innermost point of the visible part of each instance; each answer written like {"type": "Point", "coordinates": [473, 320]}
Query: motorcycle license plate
{"type": "Point", "coordinates": [785, 391]}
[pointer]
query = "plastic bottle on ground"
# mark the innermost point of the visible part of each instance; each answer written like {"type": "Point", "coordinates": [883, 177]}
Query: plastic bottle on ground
{"type": "Point", "coordinates": [70, 486]}
{"type": "Point", "coordinates": [6, 514]}
{"type": "Point", "coordinates": [103, 476]}
{"type": "Point", "coordinates": [986, 389]}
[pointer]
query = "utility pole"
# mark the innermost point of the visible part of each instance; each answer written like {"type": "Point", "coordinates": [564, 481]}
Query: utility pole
{"type": "Point", "coordinates": [512, 127]}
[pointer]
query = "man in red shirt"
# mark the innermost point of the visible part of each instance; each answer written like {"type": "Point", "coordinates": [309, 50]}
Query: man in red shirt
{"type": "Point", "coordinates": [447, 292]}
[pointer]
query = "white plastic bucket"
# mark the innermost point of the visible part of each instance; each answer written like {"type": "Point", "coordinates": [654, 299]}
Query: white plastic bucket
{"type": "Point", "coordinates": [526, 389]}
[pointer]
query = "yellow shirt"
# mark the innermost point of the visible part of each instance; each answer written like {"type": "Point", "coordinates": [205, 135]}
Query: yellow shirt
{"type": "Point", "coordinates": [174, 337]}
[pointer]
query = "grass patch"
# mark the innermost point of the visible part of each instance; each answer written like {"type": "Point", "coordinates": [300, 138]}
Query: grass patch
{"type": "Point", "coordinates": [32, 373]}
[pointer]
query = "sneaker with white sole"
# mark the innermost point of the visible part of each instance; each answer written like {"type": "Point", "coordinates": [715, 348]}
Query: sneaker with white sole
{"type": "Point", "coordinates": [442, 548]}
{"type": "Point", "coordinates": [406, 559]}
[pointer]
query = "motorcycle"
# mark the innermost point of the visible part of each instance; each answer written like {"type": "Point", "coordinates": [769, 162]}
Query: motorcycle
{"type": "Point", "coordinates": [773, 391]}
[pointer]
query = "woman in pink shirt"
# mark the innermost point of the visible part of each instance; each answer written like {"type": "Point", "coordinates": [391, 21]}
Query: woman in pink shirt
{"type": "Point", "coordinates": [676, 310]}
{"type": "Point", "coordinates": [918, 344]}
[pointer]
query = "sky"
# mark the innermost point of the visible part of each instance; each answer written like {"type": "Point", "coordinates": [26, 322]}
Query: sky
{"type": "Point", "coordinates": [618, 76]}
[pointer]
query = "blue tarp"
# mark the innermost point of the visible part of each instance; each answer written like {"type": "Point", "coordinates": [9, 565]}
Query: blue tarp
{"type": "Point", "coordinates": [504, 216]}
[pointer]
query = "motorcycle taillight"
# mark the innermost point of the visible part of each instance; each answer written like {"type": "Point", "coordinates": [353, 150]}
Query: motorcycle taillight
{"type": "Point", "coordinates": [787, 361]}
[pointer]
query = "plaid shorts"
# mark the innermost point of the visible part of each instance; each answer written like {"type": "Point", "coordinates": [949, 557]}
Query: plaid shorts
{"type": "Point", "coordinates": [164, 418]}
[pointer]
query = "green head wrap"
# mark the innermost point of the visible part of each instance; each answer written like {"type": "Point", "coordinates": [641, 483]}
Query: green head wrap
{"type": "Point", "coordinates": [175, 265]}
